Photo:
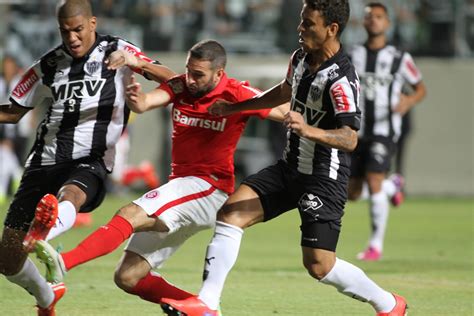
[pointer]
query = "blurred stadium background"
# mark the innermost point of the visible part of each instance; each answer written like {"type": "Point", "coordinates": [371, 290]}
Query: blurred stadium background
{"type": "Point", "coordinates": [260, 35]}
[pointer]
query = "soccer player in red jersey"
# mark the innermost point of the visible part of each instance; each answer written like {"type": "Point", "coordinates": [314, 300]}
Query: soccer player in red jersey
{"type": "Point", "coordinates": [202, 177]}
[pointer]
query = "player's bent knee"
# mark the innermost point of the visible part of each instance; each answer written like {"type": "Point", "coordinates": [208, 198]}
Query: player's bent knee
{"type": "Point", "coordinates": [125, 280]}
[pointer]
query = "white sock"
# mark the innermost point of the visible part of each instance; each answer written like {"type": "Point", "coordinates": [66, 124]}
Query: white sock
{"type": "Point", "coordinates": [365, 194]}
{"type": "Point", "coordinates": [8, 163]}
{"type": "Point", "coordinates": [66, 218]}
{"type": "Point", "coordinates": [379, 208]}
{"type": "Point", "coordinates": [389, 187]}
{"type": "Point", "coordinates": [31, 280]}
{"type": "Point", "coordinates": [221, 255]}
{"type": "Point", "coordinates": [353, 282]}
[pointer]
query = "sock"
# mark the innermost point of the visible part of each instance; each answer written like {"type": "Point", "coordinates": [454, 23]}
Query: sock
{"type": "Point", "coordinates": [221, 255]}
{"type": "Point", "coordinates": [104, 240]}
{"type": "Point", "coordinates": [353, 282]}
{"type": "Point", "coordinates": [66, 218]}
{"type": "Point", "coordinates": [365, 194]}
{"type": "Point", "coordinates": [153, 287]}
{"type": "Point", "coordinates": [31, 280]}
{"type": "Point", "coordinates": [389, 187]}
{"type": "Point", "coordinates": [379, 208]}
{"type": "Point", "coordinates": [7, 165]}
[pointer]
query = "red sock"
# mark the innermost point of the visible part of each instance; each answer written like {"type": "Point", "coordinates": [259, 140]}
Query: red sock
{"type": "Point", "coordinates": [153, 288]}
{"type": "Point", "coordinates": [104, 240]}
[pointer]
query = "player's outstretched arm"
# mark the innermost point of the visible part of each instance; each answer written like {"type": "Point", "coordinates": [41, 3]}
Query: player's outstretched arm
{"type": "Point", "coordinates": [344, 138]}
{"type": "Point", "coordinates": [140, 102]}
{"type": "Point", "coordinates": [278, 113]}
{"type": "Point", "coordinates": [11, 113]}
{"type": "Point", "coordinates": [270, 98]}
{"type": "Point", "coordinates": [121, 58]}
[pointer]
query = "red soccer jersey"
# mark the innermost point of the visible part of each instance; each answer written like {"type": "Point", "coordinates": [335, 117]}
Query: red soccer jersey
{"type": "Point", "coordinates": [203, 145]}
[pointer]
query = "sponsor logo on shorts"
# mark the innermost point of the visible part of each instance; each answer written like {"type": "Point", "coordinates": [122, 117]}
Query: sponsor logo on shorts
{"type": "Point", "coordinates": [152, 194]}
{"type": "Point", "coordinates": [310, 203]}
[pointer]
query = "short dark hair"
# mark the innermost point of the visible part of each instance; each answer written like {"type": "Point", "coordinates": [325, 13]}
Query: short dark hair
{"type": "Point", "coordinates": [210, 50]}
{"type": "Point", "coordinates": [70, 8]}
{"type": "Point", "coordinates": [333, 11]}
{"type": "Point", "coordinates": [377, 5]}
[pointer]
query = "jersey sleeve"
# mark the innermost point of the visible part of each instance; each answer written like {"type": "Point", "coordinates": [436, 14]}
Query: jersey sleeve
{"type": "Point", "coordinates": [137, 52]}
{"type": "Point", "coordinates": [173, 87]}
{"type": "Point", "coordinates": [247, 92]}
{"type": "Point", "coordinates": [291, 67]}
{"type": "Point", "coordinates": [344, 95]}
{"type": "Point", "coordinates": [409, 70]}
{"type": "Point", "coordinates": [30, 91]}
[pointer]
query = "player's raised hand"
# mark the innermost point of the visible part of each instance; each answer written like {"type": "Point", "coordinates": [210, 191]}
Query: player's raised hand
{"type": "Point", "coordinates": [121, 58]}
{"type": "Point", "coordinates": [220, 108]}
{"type": "Point", "coordinates": [135, 95]}
{"type": "Point", "coordinates": [295, 121]}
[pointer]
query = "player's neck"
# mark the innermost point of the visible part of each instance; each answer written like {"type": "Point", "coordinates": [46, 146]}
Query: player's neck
{"type": "Point", "coordinates": [318, 57]}
{"type": "Point", "coordinates": [376, 42]}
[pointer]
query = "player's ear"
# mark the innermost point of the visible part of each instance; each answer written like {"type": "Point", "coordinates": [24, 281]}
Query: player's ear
{"type": "Point", "coordinates": [333, 29]}
{"type": "Point", "coordinates": [93, 23]}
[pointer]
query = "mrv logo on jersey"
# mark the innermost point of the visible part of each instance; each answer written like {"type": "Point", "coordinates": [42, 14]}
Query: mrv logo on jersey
{"type": "Point", "coordinates": [77, 89]}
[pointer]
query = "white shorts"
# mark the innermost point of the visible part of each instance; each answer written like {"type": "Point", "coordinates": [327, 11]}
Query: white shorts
{"type": "Point", "coordinates": [186, 205]}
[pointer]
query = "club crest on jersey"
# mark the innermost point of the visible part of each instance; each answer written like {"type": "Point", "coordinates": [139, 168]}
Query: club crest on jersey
{"type": "Point", "coordinates": [152, 194]}
{"type": "Point", "coordinates": [315, 92]}
{"type": "Point", "coordinates": [92, 67]}
{"type": "Point", "coordinates": [176, 85]}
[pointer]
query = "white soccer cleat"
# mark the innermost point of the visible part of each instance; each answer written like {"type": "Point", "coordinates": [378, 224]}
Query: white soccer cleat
{"type": "Point", "coordinates": [55, 268]}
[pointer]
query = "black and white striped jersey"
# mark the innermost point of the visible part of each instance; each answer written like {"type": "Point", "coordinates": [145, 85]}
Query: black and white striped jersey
{"type": "Point", "coordinates": [383, 73]}
{"type": "Point", "coordinates": [86, 103]}
{"type": "Point", "coordinates": [327, 99]}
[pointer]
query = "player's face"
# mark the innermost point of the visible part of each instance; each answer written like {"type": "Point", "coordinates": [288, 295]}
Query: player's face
{"type": "Point", "coordinates": [313, 33]}
{"type": "Point", "coordinates": [201, 78]}
{"type": "Point", "coordinates": [78, 34]}
{"type": "Point", "coordinates": [376, 21]}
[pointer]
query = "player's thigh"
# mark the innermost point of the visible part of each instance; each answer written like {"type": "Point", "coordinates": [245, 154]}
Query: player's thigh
{"type": "Point", "coordinates": [89, 177]}
{"type": "Point", "coordinates": [242, 209]}
{"type": "Point", "coordinates": [374, 181]}
{"type": "Point", "coordinates": [184, 202]}
{"type": "Point", "coordinates": [355, 188]}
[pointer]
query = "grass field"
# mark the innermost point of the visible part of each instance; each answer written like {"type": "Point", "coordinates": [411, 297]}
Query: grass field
{"type": "Point", "coordinates": [428, 258]}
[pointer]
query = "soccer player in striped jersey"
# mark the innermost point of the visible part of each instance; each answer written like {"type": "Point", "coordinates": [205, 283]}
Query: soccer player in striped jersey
{"type": "Point", "coordinates": [383, 70]}
{"type": "Point", "coordinates": [75, 143]}
{"type": "Point", "coordinates": [202, 177]}
{"type": "Point", "coordinates": [313, 175]}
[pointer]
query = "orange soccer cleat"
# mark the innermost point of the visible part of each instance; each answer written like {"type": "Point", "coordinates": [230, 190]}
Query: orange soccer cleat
{"type": "Point", "coordinates": [59, 290]}
{"type": "Point", "coordinates": [45, 217]}
{"type": "Point", "coordinates": [400, 308]}
{"type": "Point", "coordinates": [191, 306]}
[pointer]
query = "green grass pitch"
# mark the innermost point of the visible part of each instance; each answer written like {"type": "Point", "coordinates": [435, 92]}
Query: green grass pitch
{"type": "Point", "coordinates": [428, 258]}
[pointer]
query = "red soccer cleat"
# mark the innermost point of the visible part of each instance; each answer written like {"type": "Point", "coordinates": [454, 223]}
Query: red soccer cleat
{"type": "Point", "coordinates": [45, 217]}
{"type": "Point", "coordinates": [149, 175]}
{"type": "Point", "coordinates": [83, 220]}
{"type": "Point", "coordinates": [191, 306]}
{"type": "Point", "coordinates": [370, 254]}
{"type": "Point", "coordinates": [400, 308]}
{"type": "Point", "coordinates": [59, 290]}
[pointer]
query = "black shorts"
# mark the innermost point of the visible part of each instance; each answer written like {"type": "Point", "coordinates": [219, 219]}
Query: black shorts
{"type": "Point", "coordinates": [36, 182]}
{"type": "Point", "coordinates": [372, 155]}
{"type": "Point", "coordinates": [320, 202]}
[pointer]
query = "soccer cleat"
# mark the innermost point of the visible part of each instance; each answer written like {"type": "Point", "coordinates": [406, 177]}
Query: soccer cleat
{"type": "Point", "coordinates": [149, 175]}
{"type": "Point", "coordinates": [55, 268]}
{"type": "Point", "coordinates": [59, 290]}
{"type": "Point", "coordinates": [400, 308]}
{"type": "Point", "coordinates": [191, 306]}
{"type": "Point", "coordinates": [370, 254]}
{"type": "Point", "coordinates": [45, 217]}
{"type": "Point", "coordinates": [399, 183]}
